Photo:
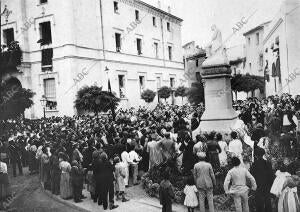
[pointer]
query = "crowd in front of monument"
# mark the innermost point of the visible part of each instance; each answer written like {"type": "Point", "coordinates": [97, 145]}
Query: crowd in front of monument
{"type": "Point", "coordinates": [108, 156]}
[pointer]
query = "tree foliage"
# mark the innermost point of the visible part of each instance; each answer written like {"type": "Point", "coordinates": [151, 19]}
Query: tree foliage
{"type": "Point", "coordinates": [94, 99]}
{"type": "Point", "coordinates": [148, 95]}
{"type": "Point", "coordinates": [247, 83]}
{"type": "Point", "coordinates": [14, 100]}
{"type": "Point", "coordinates": [196, 93]}
{"type": "Point", "coordinates": [164, 92]}
{"type": "Point", "coordinates": [181, 91]}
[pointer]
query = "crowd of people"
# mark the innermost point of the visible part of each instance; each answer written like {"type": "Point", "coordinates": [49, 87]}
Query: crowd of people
{"type": "Point", "coordinates": [110, 155]}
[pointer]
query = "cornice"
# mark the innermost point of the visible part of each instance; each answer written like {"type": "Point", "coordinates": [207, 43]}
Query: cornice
{"type": "Point", "coordinates": [152, 10]}
{"type": "Point", "coordinates": [273, 30]}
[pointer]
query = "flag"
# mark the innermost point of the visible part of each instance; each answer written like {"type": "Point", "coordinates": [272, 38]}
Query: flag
{"type": "Point", "coordinates": [108, 86]}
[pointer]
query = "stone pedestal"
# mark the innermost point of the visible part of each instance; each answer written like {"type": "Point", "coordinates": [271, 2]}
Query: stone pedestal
{"type": "Point", "coordinates": [219, 115]}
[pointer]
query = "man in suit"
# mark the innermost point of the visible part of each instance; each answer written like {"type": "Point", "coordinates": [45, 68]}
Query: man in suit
{"type": "Point", "coordinates": [168, 147]}
{"type": "Point", "coordinates": [264, 176]}
{"type": "Point", "coordinates": [205, 181]}
{"type": "Point", "coordinates": [15, 158]}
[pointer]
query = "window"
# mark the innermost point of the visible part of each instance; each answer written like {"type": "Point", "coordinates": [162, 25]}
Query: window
{"type": "Point", "coordinates": [45, 33]}
{"type": "Point", "coordinates": [142, 83]}
{"type": "Point", "coordinates": [198, 77]}
{"type": "Point", "coordinates": [170, 52]}
{"type": "Point", "coordinates": [249, 41]}
{"type": "Point", "coordinates": [116, 7]}
{"type": "Point", "coordinates": [156, 49]}
{"type": "Point", "coordinates": [168, 26]}
{"type": "Point", "coordinates": [197, 63]}
{"type": "Point", "coordinates": [122, 85]}
{"type": "Point", "coordinates": [154, 21]}
{"type": "Point", "coordinates": [172, 82]}
{"type": "Point", "coordinates": [8, 36]}
{"type": "Point", "coordinates": [137, 15]}
{"type": "Point", "coordinates": [139, 46]}
{"type": "Point", "coordinates": [43, 1]}
{"type": "Point", "coordinates": [50, 93]}
{"type": "Point", "coordinates": [47, 55]}
{"type": "Point", "coordinates": [158, 82]}
{"type": "Point", "coordinates": [118, 42]}
{"type": "Point", "coordinates": [257, 38]}
{"type": "Point", "coordinates": [261, 60]}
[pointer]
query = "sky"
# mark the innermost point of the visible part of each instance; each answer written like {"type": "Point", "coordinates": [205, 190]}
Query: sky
{"type": "Point", "coordinates": [200, 15]}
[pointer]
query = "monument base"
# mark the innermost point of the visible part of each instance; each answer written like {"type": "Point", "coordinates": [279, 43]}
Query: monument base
{"type": "Point", "coordinates": [219, 114]}
{"type": "Point", "coordinates": [222, 126]}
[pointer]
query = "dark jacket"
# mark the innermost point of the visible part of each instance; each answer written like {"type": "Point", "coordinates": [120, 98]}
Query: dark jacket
{"type": "Point", "coordinates": [14, 153]}
{"type": "Point", "coordinates": [87, 157]}
{"type": "Point", "coordinates": [194, 123]}
{"type": "Point", "coordinates": [77, 176]}
{"type": "Point", "coordinates": [54, 164]}
{"type": "Point", "coordinates": [263, 174]}
{"type": "Point", "coordinates": [166, 192]}
{"type": "Point", "coordinates": [103, 171]}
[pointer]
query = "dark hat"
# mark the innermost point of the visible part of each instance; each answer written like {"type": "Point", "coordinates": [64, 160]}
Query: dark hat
{"type": "Point", "coordinates": [116, 159]}
{"type": "Point", "coordinates": [74, 163]}
{"type": "Point", "coordinates": [260, 152]}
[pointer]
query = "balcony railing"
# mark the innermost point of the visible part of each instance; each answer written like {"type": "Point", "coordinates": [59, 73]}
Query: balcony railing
{"type": "Point", "coordinates": [10, 57]}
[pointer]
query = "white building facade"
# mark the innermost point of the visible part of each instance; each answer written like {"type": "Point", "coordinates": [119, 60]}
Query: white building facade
{"type": "Point", "coordinates": [70, 44]}
{"type": "Point", "coordinates": [237, 61]}
{"type": "Point", "coordinates": [193, 59]}
{"type": "Point", "coordinates": [282, 50]}
{"type": "Point", "coordinates": [255, 52]}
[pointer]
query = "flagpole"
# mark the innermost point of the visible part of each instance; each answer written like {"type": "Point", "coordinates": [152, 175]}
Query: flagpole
{"type": "Point", "coordinates": [0, 41]}
{"type": "Point", "coordinates": [109, 90]}
{"type": "Point", "coordinates": [0, 29]}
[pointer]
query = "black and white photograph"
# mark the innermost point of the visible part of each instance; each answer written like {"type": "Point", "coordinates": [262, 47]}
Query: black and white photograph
{"type": "Point", "coordinates": [150, 105]}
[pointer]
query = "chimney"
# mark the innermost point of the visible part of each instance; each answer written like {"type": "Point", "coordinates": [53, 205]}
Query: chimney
{"type": "Point", "coordinates": [159, 4]}
{"type": "Point", "coordinates": [169, 9]}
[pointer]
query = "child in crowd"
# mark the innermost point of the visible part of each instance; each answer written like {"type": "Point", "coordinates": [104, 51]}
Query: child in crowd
{"type": "Point", "coordinates": [190, 191]}
{"type": "Point", "coordinates": [120, 174]}
{"type": "Point", "coordinates": [77, 181]}
{"type": "Point", "coordinates": [281, 176]}
{"type": "Point", "coordinates": [166, 193]}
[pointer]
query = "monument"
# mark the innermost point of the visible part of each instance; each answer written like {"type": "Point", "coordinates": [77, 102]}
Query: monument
{"type": "Point", "coordinates": [219, 114]}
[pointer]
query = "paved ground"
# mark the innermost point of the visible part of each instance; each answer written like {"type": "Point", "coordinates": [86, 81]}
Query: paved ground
{"type": "Point", "coordinates": [30, 197]}
{"type": "Point", "coordinates": [139, 202]}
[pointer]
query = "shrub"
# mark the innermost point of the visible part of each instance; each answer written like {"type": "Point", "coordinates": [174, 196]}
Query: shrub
{"type": "Point", "coordinates": [148, 95]}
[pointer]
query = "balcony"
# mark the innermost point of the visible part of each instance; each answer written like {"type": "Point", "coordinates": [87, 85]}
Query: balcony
{"type": "Point", "coordinates": [10, 57]}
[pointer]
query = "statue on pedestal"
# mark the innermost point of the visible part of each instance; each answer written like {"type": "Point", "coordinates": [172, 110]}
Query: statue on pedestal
{"type": "Point", "coordinates": [219, 114]}
{"type": "Point", "coordinates": [216, 46]}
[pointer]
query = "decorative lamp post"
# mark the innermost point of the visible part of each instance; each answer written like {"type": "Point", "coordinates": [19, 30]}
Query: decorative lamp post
{"type": "Point", "coordinates": [43, 103]}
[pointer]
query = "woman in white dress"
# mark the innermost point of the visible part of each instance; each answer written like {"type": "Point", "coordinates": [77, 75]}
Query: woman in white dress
{"type": "Point", "coordinates": [224, 148]}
